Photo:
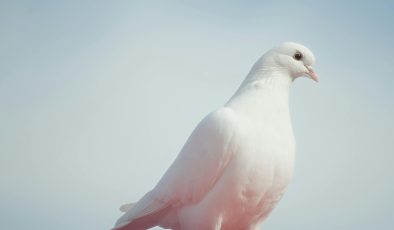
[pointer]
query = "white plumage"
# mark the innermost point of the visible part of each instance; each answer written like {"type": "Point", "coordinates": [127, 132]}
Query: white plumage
{"type": "Point", "coordinates": [236, 164]}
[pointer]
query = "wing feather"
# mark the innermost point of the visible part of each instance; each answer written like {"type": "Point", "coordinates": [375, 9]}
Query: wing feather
{"type": "Point", "coordinates": [200, 163]}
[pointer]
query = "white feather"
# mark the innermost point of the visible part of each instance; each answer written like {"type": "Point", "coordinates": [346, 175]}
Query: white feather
{"type": "Point", "coordinates": [236, 164]}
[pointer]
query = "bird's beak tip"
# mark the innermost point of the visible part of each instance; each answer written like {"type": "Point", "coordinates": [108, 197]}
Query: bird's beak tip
{"type": "Point", "coordinates": [311, 73]}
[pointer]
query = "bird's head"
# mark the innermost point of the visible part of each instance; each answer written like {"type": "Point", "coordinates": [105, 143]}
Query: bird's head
{"type": "Point", "coordinates": [293, 58]}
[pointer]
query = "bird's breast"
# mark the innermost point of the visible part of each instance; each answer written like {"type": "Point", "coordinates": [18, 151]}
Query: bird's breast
{"type": "Point", "coordinates": [263, 164]}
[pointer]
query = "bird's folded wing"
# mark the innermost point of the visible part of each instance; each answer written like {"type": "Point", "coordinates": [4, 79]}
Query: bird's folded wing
{"type": "Point", "coordinates": [199, 165]}
{"type": "Point", "coordinates": [202, 159]}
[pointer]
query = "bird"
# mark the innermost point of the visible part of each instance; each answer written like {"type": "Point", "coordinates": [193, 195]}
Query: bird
{"type": "Point", "coordinates": [237, 163]}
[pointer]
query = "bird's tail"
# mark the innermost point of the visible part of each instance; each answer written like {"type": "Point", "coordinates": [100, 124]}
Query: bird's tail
{"type": "Point", "coordinates": [126, 207]}
{"type": "Point", "coordinates": [144, 214]}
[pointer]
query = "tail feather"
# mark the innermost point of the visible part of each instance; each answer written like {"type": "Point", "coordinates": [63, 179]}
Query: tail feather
{"type": "Point", "coordinates": [126, 207]}
{"type": "Point", "coordinates": [144, 222]}
{"type": "Point", "coordinates": [144, 214]}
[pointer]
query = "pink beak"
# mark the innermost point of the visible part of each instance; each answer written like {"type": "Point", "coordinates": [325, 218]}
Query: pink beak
{"type": "Point", "coordinates": [311, 73]}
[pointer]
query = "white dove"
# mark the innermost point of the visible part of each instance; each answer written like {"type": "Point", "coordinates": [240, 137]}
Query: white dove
{"type": "Point", "coordinates": [236, 164]}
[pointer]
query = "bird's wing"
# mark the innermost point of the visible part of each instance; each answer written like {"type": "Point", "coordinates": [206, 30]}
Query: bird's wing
{"type": "Point", "coordinates": [196, 169]}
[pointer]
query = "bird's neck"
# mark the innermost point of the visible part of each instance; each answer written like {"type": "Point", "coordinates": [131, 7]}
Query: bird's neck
{"type": "Point", "coordinates": [261, 87]}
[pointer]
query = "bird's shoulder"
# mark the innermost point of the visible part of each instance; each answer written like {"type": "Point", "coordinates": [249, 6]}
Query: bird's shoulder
{"type": "Point", "coordinates": [222, 118]}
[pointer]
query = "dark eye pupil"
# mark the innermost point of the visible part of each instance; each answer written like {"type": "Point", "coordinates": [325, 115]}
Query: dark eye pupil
{"type": "Point", "coordinates": [298, 56]}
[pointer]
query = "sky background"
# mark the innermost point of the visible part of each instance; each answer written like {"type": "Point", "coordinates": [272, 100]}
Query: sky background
{"type": "Point", "coordinates": [98, 97]}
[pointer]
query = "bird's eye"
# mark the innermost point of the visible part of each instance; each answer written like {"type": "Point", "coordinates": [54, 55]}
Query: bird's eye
{"type": "Point", "coordinates": [298, 56]}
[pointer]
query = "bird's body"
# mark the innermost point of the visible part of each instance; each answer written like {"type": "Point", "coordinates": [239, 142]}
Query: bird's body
{"type": "Point", "coordinates": [234, 167]}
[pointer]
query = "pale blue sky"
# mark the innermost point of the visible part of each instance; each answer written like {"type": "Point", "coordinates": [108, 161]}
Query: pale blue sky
{"type": "Point", "coordinates": [98, 97]}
